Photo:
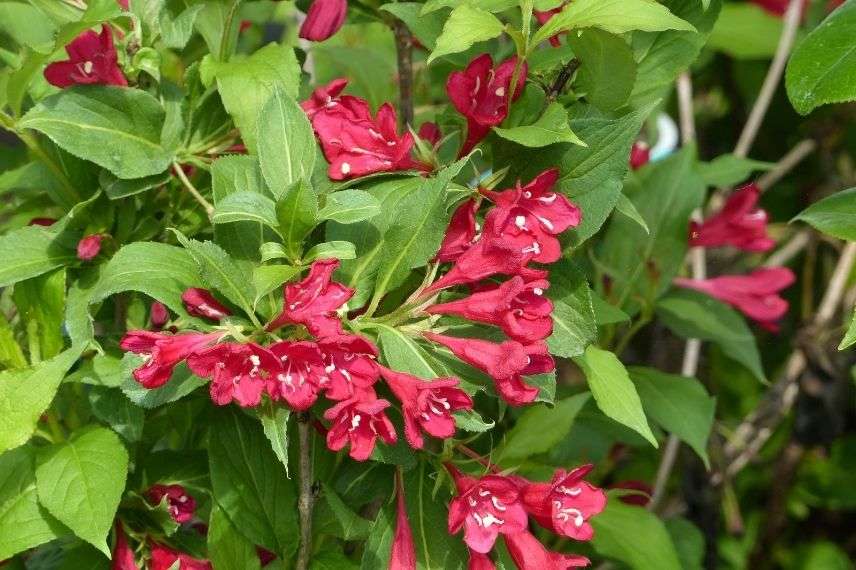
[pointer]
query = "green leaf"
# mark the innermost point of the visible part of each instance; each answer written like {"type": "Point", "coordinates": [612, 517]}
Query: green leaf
{"type": "Point", "coordinates": [678, 404]}
{"type": "Point", "coordinates": [608, 71]}
{"type": "Point", "coordinates": [615, 16]}
{"type": "Point", "coordinates": [250, 484]}
{"type": "Point", "coordinates": [30, 251]}
{"type": "Point", "coordinates": [553, 127]}
{"type": "Point", "coordinates": [418, 224]}
{"type": "Point", "coordinates": [689, 543]}
{"type": "Point", "coordinates": [231, 175]}
{"type": "Point", "coordinates": [115, 127]}
{"type": "Point", "coordinates": [246, 85]}
{"type": "Point", "coordinates": [834, 215]}
{"type": "Point", "coordinates": [403, 353]}
{"type": "Point", "coordinates": [227, 548]}
{"type": "Point", "coordinates": [275, 425]}
{"type": "Point", "coordinates": [466, 26]}
{"type": "Point", "coordinates": [489, 5]}
{"type": "Point", "coordinates": [334, 517]}
{"type": "Point", "coordinates": [746, 31]}
{"type": "Point", "coordinates": [220, 271]}
{"type": "Point", "coordinates": [26, 393]}
{"type": "Point", "coordinates": [80, 482]}
{"type": "Point", "coordinates": [850, 336]}
{"type": "Point", "coordinates": [729, 169]}
{"type": "Point", "coordinates": [822, 68]}
{"type": "Point", "coordinates": [176, 31]}
{"type": "Point", "coordinates": [27, 26]}
{"type": "Point", "coordinates": [11, 355]}
{"type": "Point", "coordinates": [379, 542]}
{"type": "Point", "coordinates": [349, 206]}
{"type": "Point", "coordinates": [180, 384]}
{"type": "Point", "coordinates": [613, 391]}
{"type": "Point", "coordinates": [41, 305]}
{"type": "Point", "coordinates": [160, 271]}
{"type": "Point", "coordinates": [642, 263]}
{"type": "Point", "coordinates": [112, 407]}
{"type": "Point", "coordinates": [267, 278]}
{"type": "Point", "coordinates": [245, 206]}
{"type": "Point", "coordinates": [634, 536]}
{"type": "Point", "coordinates": [426, 27]}
{"type": "Point", "coordinates": [691, 314]}
{"type": "Point", "coordinates": [626, 207]}
{"type": "Point", "coordinates": [573, 314]}
{"type": "Point", "coordinates": [435, 548]}
{"type": "Point", "coordinates": [24, 523]}
{"type": "Point", "coordinates": [287, 152]}
{"type": "Point", "coordinates": [297, 214]}
{"type": "Point", "coordinates": [337, 249]}
{"type": "Point", "coordinates": [117, 188]}
{"type": "Point", "coordinates": [540, 428]}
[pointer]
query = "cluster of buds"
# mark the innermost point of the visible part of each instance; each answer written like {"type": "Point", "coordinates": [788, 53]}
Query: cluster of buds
{"type": "Point", "coordinates": [520, 228]}
{"type": "Point", "coordinates": [743, 225]}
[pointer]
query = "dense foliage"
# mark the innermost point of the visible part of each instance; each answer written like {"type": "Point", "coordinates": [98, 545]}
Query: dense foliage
{"type": "Point", "coordinates": [435, 285]}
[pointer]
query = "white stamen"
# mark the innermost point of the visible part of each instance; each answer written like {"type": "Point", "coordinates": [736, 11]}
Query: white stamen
{"type": "Point", "coordinates": [500, 92]}
{"type": "Point", "coordinates": [254, 359]}
{"type": "Point", "coordinates": [497, 504]}
{"type": "Point", "coordinates": [355, 421]}
{"type": "Point", "coordinates": [520, 222]}
{"type": "Point", "coordinates": [548, 198]}
{"type": "Point", "coordinates": [345, 168]}
{"type": "Point", "coordinates": [538, 291]}
{"type": "Point", "coordinates": [87, 67]}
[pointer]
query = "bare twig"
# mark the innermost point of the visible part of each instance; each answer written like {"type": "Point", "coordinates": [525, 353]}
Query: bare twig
{"type": "Point", "coordinates": [404, 51]}
{"type": "Point", "coordinates": [771, 81]}
{"type": "Point", "coordinates": [790, 250]}
{"type": "Point", "coordinates": [787, 163]}
{"type": "Point", "coordinates": [209, 209]}
{"type": "Point", "coordinates": [756, 429]}
{"type": "Point", "coordinates": [562, 79]}
{"type": "Point", "coordinates": [306, 499]}
{"type": "Point", "coordinates": [698, 264]}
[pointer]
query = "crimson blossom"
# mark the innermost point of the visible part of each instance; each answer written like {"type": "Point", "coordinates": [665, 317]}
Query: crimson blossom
{"type": "Point", "coordinates": [359, 422]}
{"type": "Point", "coordinates": [92, 60]}
{"type": "Point", "coordinates": [163, 558]}
{"type": "Point", "coordinates": [162, 352]}
{"type": "Point", "coordinates": [740, 223]}
{"type": "Point", "coordinates": [323, 19]}
{"type": "Point", "coordinates": [201, 303]}
{"type": "Point", "coordinates": [180, 503]}
{"type": "Point", "coordinates": [313, 301]}
{"type": "Point", "coordinates": [481, 94]}
{"type": "Point", "coordinates": [89, 247]}
{"type": "Point", "coordinates": [756, 295]}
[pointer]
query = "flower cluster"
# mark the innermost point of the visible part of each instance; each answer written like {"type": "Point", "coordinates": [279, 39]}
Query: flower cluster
{"type": "Point", "coordinates": [496, 505]}
{"type": "Point", "coordinates": [519, 229]}
{"type": "Point", "coordinates": [743, 225]}
{"type": "Point", "coordinates": [295, 373]}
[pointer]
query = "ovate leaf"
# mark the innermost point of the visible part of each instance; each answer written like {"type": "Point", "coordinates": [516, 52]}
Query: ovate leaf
{"type": "Point", "coordinates": [834, 215]}
{"type": "Point", "coordinates": [31, 251]}
{"type": "Point", "coordinates": [80, 482]}
{"type": "Point", "coordinates": [26, 393]}
{"type": "Point", "coordinates": [247, 207]}
{"type": "Point", "coordinates": [349, 206]}
{"type": "Point", "coordinates": [729, 169]}
{"type": "Point", "coordinates": [540, 428]}
{"type": "Point", "coordinates": [114, 127]}
{"type": "Point", "coordinates": [574, 325]}
{"type": "Point", "coordinates": [275, 425]}
{"type": "Point", "coordinates": [551, 128]}
{"type": "Point", "coordinates": [635, 536]}
{"type": "Point", "coordinates": [466, 26]}
{"type": "Point", "coordinates": [822, 68]}
{"type": "Point", "coordinates": [679, 404]}
{"type": "Point", "coordinates": [608, 71]}
{"type": "Point", "coordinates": [228, 549]}
{"type": "Point", "coordinates": [613, 390]}
{"type": "Point", "coordinates": [287, 143]}
{"type": "Point", "coordinates": [297, 214]}
{"type": "Point", "coordinates": [222, 272]}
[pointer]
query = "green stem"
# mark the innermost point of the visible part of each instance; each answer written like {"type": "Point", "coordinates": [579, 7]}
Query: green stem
{"type": "Point", "coordinates": [54, 427]}
{"type": "Point", "coordinates": [631, 332]}
{"type": "Point", "coordinates": [209, 209]}
{"type": "Point", "coordinates": [225, 48]}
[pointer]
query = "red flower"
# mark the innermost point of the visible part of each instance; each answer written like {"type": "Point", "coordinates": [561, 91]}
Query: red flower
{"type": "Point", "coordinates": [89, 247]}
{"type": "Point", "coordinates": [480, 93]}
{"type": "Point", "coordinates": [122, 556]}
{"type": "Point", "coordinates": [123, 4]}
{"type": "Point", "coordinates": [91, 60]}
{"type": "Point", "coordinates": [739, 224]}
{"type": "Point", "coordinates": [163, 352]}
{"type": "Point", "coordinates": [485, 508]}
{"type": "Point", "coordinates": [350, 366]}
{"type": "Point", "coordinates": [158, 315]}
{"type": "Point", "coordinates": [519, 308]}
{"type": "Point", "coordinates": [427, 405]}
{"type": "Point", "coordinates": [323, 19]}
{"type": "Point", "coordinates": [640, 154]}
{"type": "Point", "coordinates": [402, 555]}
{"type": "Point", "coordinates": [503, 248]}
{"type": "Point", "coordinates": [461, 232]}
{"type": "Point", "coordinates": [537, 209]}
{"type": "Point", "coordinates": [329, 99]}
{"type": "Point", "coordinates": [360, 423]}
{"type": "Point", "coordinates": [430, 132]}
{"type": "Point", "coordinates": [313, 302]}
{"type": "Point", "coordinates": [755, 295]}
{"type": "Point", "coordinates": [529, 554]}
{"type": "Point", "coordinates": [299, 375]}
{"type": "Point", "coordinates": [479, 561]}
{"type": "Point", "coordinates": [180, 504]}
{"type": "Point", "coordinates": [164, 557]}
{"type": "Point", "coordinates": [238, 372]}
{"type": "Point", "coordinates": [566, 504]}
{"type": "Point", "coordinates": [505, 362]}
{"type": "Point", "coordinates": [201, 303]}
{"type": "Point", "coordinates": [357, 148]}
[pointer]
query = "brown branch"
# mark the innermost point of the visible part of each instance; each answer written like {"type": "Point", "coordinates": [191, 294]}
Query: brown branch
{"type": "Point", "coordinates": [562, 79]}
{"type": "Point", "coordinates": [404, 52]}
{"type": "Point", "coordinates": [306, 499]}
